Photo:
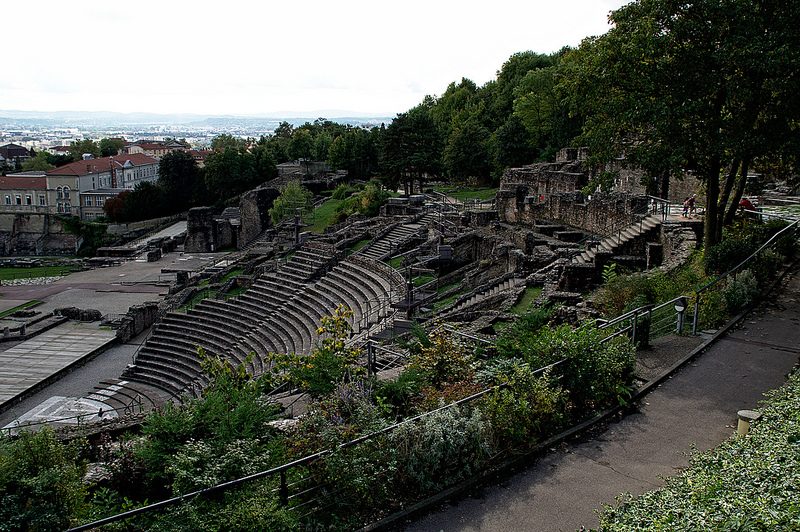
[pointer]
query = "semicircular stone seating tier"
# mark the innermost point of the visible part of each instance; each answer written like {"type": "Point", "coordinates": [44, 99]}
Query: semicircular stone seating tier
{"type": "Point", "coordinates": [280, 312]}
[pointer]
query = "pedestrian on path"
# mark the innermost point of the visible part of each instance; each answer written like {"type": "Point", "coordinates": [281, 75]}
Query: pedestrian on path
{"type": "Point", "coordinates": [686, 207]}
{"type": "Point", "coordinates": [693, 205]}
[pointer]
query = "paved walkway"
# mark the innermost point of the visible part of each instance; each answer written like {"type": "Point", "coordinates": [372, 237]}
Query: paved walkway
{"type": "Point", "coordinates": [28, 363]}
{"type": "Point", "coordinates": [695, 408]}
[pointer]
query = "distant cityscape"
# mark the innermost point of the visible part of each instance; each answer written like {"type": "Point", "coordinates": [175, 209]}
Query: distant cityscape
{"type": "Point", "coordinates": [43, 130]}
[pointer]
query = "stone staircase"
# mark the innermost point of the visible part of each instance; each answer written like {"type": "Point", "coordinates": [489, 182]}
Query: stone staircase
{"type": "Point", "coordinates": [483, 294]}
{"type": "Point", "coordinates": [613, 243]}
{"type": "Point", "coordinates": [387, 244]}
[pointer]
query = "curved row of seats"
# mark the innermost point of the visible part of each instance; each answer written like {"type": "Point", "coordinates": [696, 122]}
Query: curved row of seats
{"type": "Point", "coordinates": [280, 313]}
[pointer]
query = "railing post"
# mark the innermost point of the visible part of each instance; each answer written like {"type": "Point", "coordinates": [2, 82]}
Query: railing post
{"type": "Point", "coordinates": [284, 490]}
{"type": "Point", "coordinates": [634, 319]}
{"type": "Point", "coordinates": [696, 316]}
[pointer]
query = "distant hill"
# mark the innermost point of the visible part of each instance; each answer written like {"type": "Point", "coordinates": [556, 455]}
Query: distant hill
{"type": "Point", "coordinates": [105, 118]}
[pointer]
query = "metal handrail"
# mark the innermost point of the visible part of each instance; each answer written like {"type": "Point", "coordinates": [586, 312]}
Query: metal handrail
{"type": "Point", "coordinates": [282, 469]}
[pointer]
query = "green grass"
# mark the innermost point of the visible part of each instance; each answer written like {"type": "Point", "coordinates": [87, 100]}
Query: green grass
{"type": "Point", "coordinates": [449, 300]}
{"type": "Point", "coordinates": [468, 193]}
{"type": "Point", "coordinates": [526, 300]}
{"type": "Point", "coordinates": [231, 274]}
{"type": "Point", "coordinates": [444, 288]}
{"type": "Point", "coordinates": [324, 215]}
{"type": "Point", "coordinates": [27, 304]}
{"type": "Point", "coordinates": [360, 244]}
{"type": "Point", "coordinates": [395, 263]}
{"type": "Point", "coordinates": [197, 298]}
{"type": "Point", "coordinates": [422, 279]}
{"type": "Point", "coordinates": [7, 274]}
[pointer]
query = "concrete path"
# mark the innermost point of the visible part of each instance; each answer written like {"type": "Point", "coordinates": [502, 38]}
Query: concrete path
{"type": "Point", "coordinates": [695, 408]}
{"type": "Point", "coordinates": [30, 362]}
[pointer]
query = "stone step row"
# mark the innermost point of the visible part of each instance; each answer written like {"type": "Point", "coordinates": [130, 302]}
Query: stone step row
{"type": "Point", "coordinates": [612, 243]}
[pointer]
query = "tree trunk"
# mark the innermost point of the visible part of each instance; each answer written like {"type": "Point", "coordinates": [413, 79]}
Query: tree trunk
{"type": "Point", "coordinates": [725, 195]}
{"type": "Point", "coordinates": [737, 195]}
{"type": "Point", "coordinates": [712, 197]}
{"type": "Point", "coordinates": [664, 185]}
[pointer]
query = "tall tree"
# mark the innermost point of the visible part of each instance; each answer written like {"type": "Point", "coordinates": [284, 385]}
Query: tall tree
{"type": "Point", "coordinates": [412, 147]}
{"type": "Point", "coordinates": [178, 175]}
{"type": "Point", "coordinates": [110, 146]}
{"type": "Point", "coordinates": [79, 148]}
{"type": "Point", "coordinates": [699, 85]}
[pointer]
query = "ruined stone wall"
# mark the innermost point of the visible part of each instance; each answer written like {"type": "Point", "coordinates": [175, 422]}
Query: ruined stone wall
{"type": "Point", "coordinates": [199, 230]}
{"type": "Point", "coordinates": [34, 234]}
{"type": "Point", "coordinates": [629, 180]}
{"type": "Point", "coordinates": [137, 320]}
{"type": "Point", "coordinates": [254, 209]}
{"type": "Point", "coordinates": [597, 215]}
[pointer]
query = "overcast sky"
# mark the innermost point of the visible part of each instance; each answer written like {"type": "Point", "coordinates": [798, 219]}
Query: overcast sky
{"type": "Point", "coordinates": [258, 57]}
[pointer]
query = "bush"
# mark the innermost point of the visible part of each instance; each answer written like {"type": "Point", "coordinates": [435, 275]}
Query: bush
{"type": "Point", "coordinates": [740, 292]}
{"type": "Point", "coordinates": [41, 484]}
{"type": "Point", "coordinates": [528, 407]}
{"type": "Point", "coordinates": [329, 364]}
{"type": "Point", "coordinates": [367, 202]}
{"type": "Point", "coordinates": [440, 449]}
{"type": "Point", "coordinates": [595, 374]}
{"type": "Point", "coordinates": [443, 360]}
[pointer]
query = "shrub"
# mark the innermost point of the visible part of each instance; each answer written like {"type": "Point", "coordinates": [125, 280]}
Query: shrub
{"type": "Point", "coordinates": [41, 484]}
{"type": "Point", "coordinates": [440, 449]}
{"type": "Point", "coordinates": [595, 374]}
{"type": "Point", "coordinates": [367, 202]}
{"type": "Point", "coordinates": [444, 360]}
{"type": "Point", "coordinates": [329, 364]}
{"type": "Point", "coordinates": [200, 464]}
{"type": "Point", "coordinates": [528, 407]}
{"type": "Point", "coordinates": [342, 191]}
{"type": "Point", "coordinates": [713, 308]}
{"type": "Point", "coordinates": [765, 266]}
{"type": "Point", "coordinates": [740, 292]}
{"type": "Point", "coordinates": [396, 396]}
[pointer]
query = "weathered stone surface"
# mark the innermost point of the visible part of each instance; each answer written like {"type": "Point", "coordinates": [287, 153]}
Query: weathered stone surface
{"type": "Point", "coordinates": [74, 313]}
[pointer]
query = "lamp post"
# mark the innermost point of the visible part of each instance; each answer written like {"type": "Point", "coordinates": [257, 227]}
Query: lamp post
{"type": "Point", "coordinates": [680, 308]}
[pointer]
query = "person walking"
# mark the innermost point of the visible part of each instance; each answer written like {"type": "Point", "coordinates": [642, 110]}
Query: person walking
{"type": "Point", "coordinates": [693, 205]}
{"type": "Point", "coordinates": [686, 207]}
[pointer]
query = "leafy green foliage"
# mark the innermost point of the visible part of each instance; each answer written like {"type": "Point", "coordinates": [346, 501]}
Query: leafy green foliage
{"type": "Point", "coordinates": [367, 202]}
{"type": "Point", "coordinates": [526, 407]}
{"type": "Point", "coordinates": [442, 360]}
{"type": "Point", "coordinates": [329, 364]}
{"type": "Point", "coordinates": [440, 449]}
{"type": "Point", "coordinates": [293, 196]}
{"type": "Point", "coordinates": [41, 484]}
{"type": "Point", "coordinates": [230, 409]}
{"type": "Point", "coordinates": [747, 483]}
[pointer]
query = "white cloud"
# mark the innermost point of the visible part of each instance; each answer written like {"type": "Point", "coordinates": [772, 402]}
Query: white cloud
{"type": "Point", "coordinates": [243, 57]}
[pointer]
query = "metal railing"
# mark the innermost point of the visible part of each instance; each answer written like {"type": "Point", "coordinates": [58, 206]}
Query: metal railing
{"type": "Point", "coordinates": [789, 230]}
{"type": "Point", "coordinates": [302, 490]}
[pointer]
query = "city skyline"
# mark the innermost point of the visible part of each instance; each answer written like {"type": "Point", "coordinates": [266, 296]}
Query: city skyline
{"type": "Point", "coordinates": [314, 58]}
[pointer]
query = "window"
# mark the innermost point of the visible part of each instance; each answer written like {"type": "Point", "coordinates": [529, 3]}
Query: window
{"type": "Point", "coordinates": [28, 199]}
{"type": "Point", "coordinates": [18, 199]}
{"type": "Point", "coordinates": [88, 201]}
{"type": "Point", "coordinates": [8, 199]}
{"type": "Point", "coordinates": [67, 207]}
{"type": "Point", "coordinates": [60, 207]}
{"type": "Point", "coordinates": [98, 201]}
{"type": "Point", "coordinates": [59, 193]}
{"type": "Point", "coordinates": [42, 200]}
{"type": "Point", "coordinates": [66, 192]}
